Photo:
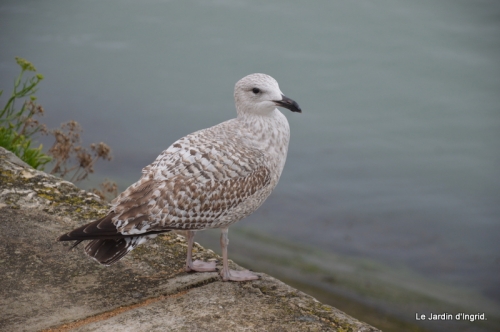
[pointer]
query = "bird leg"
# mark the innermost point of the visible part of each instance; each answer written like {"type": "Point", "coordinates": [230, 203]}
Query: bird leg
{"type": "Point", "coordinates": [226, 273]}
{"type": "Point", "coordinates": [197, 265]}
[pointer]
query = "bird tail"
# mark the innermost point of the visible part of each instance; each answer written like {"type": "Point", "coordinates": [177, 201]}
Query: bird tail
{"type": "Point", "coordinates": [110, 251]}
{"type": "Point", "coordinates": [107, 245]}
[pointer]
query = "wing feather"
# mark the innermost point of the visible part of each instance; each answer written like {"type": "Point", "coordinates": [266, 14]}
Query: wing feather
{"type": "Point", "coordinates": [199, 179]}
{"type": "Point", "coordinates": [186, 203]}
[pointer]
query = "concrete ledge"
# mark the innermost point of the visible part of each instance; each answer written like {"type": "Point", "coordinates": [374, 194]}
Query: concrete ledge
{"type": "Point", "coordinates": [46, 287]}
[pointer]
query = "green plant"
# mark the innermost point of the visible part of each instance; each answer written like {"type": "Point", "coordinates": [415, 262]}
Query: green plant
{"type": "Point", "coordinates": [19, 126]}
{"type": "Point", "coordinates": [21, 147]}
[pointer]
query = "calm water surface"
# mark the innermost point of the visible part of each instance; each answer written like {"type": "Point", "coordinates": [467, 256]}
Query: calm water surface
{"type": "Point", "coordinates": [396, 155]}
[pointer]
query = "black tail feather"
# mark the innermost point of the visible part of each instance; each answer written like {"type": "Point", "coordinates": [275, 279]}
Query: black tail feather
{"type": "Point", "coordinates": [110, 251]}
{"type": "Point", "coordinates": [100, 229]}
{"type": "Point", "coordinates": [107, 251]}
{"type": "Point", "coordinates": [108, 245]}
{"type": "Point", "coordinates": [75, 244]}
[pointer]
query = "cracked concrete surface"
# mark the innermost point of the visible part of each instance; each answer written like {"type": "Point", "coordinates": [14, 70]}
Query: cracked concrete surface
{"type": "Point", "coordinates": [44, 286]}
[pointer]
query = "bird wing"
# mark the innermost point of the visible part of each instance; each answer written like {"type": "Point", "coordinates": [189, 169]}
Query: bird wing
{"type": "Point", "coordinates": [191, 185]}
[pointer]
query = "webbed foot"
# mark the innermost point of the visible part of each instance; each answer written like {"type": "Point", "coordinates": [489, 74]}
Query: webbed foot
{"type": "Point", "coordinates": [233, 275]}
{"type": "Point", "coordinates": [200, 266]}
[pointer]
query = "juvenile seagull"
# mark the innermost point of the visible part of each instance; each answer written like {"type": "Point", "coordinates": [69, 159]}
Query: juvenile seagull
{"type": "Point", "coordinates": [211, 178]}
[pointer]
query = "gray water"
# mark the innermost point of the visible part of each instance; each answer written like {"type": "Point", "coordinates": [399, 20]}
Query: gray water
{"type": "Point", "coordinates": [395, 157]}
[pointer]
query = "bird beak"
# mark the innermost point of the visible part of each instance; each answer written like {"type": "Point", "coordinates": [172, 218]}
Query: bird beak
{"type": "Point", "coordinates": [288, 103]}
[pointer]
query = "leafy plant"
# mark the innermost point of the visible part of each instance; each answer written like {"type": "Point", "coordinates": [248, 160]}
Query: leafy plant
{"type": "Point", "coordinates": [20, 145]}
{"type": "Point", "coordinates": [19, 126]}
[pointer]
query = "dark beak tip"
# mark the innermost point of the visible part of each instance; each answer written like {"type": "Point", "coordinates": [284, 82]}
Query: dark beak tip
{"type": "Point", "coordinates": [289, 104]}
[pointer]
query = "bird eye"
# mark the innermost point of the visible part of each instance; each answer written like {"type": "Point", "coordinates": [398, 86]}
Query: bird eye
{"type": "Point", "coordinates": [256, 90]}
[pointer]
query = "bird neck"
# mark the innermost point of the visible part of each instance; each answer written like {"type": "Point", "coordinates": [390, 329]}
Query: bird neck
{"type": "Point", "coordinates": [271, 133]}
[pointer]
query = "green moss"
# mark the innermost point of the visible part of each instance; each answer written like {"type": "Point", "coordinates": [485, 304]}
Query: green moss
{"type": "Point", "coordinates": [63, 198]}
{"type": "Point", "coordinates": [6, 174]}
{"type": "Point", "coordinates": [47, 197]}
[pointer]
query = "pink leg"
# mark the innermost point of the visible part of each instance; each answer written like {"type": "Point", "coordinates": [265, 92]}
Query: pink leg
{"type": "Point", "coordinates": [197, 265]}
{"type": "Point", "coordinates": [226, 273]}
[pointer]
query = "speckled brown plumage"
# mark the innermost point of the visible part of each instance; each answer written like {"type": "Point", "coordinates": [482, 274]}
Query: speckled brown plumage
{"type": "Point", "coordinates": [211, 178]}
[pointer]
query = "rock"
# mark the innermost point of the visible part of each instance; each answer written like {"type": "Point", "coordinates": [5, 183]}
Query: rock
{"type": "Point", "coordinates": [46, 287]}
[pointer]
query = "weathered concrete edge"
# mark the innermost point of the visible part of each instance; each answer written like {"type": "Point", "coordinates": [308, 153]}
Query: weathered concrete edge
{"type": "Point", "coordinates": [25, 188]}
{"type": "Point", "coordinates": [180, 287]}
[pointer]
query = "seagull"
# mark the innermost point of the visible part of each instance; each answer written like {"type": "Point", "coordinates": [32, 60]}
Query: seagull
{"type": "Point", "coordinates": [211, 178]}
